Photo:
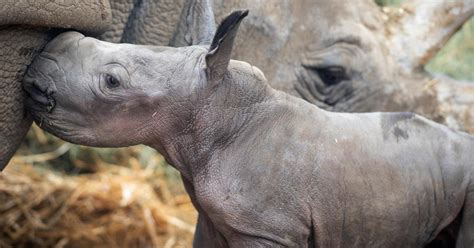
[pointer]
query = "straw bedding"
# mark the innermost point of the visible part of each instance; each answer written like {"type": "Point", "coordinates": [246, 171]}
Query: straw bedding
{"type": "Point", "coordinates": [115, 207]}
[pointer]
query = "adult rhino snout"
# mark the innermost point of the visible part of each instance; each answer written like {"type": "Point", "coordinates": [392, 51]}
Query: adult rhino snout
{"type": "Point", "coordinates": [47, 69]}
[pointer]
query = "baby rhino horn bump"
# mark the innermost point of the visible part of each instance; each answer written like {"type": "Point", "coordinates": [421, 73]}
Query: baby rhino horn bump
{"type": "Point", "coordinates": [218, 57]}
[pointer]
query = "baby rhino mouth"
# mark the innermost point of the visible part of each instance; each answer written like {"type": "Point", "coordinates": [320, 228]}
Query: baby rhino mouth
{"type": "Point", "coordinates": [40, 98]}
{"type": "Point", "coordinates": [45, 71]}
{"type": "Point", "coordinates": [39, 86]}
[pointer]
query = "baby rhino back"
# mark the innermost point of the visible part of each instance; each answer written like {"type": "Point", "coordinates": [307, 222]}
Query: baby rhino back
{"type": "Point", "coordinates": [396, 176]}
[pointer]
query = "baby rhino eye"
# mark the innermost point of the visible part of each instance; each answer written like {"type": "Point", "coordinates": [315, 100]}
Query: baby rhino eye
{"type": "Point", "coordinates": [112, 82]}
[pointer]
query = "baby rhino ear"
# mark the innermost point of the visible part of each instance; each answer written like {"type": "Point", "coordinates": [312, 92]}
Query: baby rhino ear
{"type": "Point", "coordinates": [218, 57]}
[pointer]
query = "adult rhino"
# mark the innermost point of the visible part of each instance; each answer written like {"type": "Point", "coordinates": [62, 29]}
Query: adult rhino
{"type": "Point", "coordinates": [263, 168]}
{"type": "Point", "coordinates": [354, 56]}
{"type": "Point", "coordinates": [25, 27]}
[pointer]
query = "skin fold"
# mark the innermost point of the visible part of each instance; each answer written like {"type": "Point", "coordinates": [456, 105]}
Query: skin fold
{"type": "Point", "coordinates": [262, 167]}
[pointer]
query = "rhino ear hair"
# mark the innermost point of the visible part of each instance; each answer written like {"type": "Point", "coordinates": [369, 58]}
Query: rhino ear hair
{"type": "Point", "coordinates": [218, 57]}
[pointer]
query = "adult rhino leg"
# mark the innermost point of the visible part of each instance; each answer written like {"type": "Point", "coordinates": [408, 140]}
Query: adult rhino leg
{"type": "Point", "coordinates": [18, 46]}
{"type": "Point", "coordinates": [121, 10]}
{"type": "Point", "coordinates": [153, 22]}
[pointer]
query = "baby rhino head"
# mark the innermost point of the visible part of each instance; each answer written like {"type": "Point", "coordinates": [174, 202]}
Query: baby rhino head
{"type": "Point", "coordinates": [97, 93]}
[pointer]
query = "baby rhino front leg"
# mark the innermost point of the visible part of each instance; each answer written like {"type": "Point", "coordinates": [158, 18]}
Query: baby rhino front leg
{"type": "Point", "coordinates": [466, 232]}
{"type": "Point", "coordinates": [206, 236]}
{"type": "Point", "coordinates": [255, 241]}
{"type": "Point", "coordinates": [243, 222]}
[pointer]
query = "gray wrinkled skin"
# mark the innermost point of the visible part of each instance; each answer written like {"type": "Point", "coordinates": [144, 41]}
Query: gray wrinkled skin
{"type": "Point", "coordinates": [152, 22]}
{"type": "Point", "coordinates": [18, 48]}
{"type": "Point", "coordinates": [263, 168]}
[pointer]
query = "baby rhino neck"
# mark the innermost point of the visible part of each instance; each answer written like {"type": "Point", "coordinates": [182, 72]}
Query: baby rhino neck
{"type": "Point", "coordinates": [244, 87]}
{"type": "Point", "coordinates": [237, 104]}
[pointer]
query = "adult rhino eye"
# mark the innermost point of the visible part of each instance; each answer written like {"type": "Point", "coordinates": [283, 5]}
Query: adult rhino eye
{"type": "Point", "coordinates": [332, 75]}
{"type": "Point", "coordinates": [112, 82]}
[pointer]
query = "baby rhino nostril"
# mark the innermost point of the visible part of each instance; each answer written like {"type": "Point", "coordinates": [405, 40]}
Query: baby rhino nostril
{"type": "Point", "coordinates": [51, 105]}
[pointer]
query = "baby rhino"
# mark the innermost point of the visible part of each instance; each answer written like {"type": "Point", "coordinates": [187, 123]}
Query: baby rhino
{"type": "Point", "coordinates": [263, 168]}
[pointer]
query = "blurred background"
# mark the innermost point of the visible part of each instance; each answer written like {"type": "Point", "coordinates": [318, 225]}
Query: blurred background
{"type": "Point", "coordinates": [456, 59]}
{"type": "Point", "coordinates": [58, 194]}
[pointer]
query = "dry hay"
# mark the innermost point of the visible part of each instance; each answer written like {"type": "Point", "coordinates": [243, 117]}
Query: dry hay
{"type": "Point", "coordinates": [116, 207]}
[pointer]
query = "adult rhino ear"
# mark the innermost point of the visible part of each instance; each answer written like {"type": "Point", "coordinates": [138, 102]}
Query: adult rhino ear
{"type": "Point", "coordinates": [218, 57]}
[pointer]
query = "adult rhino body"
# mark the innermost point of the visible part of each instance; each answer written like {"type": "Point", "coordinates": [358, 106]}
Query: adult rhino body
{"type": "Point", "coordinates": [25, 27]}
{"type": "Point", "coordinates": [263, 168]}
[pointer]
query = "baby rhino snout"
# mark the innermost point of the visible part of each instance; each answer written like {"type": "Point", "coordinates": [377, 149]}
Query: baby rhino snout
{"type": "Point", "coordinates": [47, 69]}
{"type": "Point", "coordinates": [39, 83]}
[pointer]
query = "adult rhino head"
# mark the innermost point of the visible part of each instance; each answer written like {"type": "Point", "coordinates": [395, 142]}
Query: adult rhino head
{"type": "Point", "coordinates": [25, 27]}
{"type": "Point", "coordinates": [354, 56]}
